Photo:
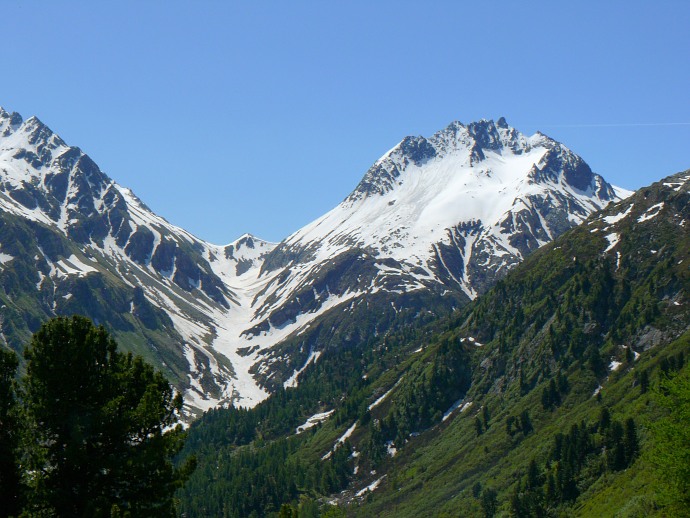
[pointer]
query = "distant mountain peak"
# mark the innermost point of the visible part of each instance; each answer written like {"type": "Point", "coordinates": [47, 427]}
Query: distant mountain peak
{"type": "Point", "coordinates": [469, 143]}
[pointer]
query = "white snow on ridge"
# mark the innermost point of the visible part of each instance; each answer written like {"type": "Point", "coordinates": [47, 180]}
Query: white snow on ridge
{"type": "Point", "coordinates": [405, 222]}
{"type": "Point", "coordinates": [414, 206]}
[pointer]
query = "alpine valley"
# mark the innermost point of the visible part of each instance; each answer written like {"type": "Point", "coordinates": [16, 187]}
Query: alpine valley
{"type": "Point", "coordinates": [433, 223]}
{"type": "Point", "coordinates": [483, 327]}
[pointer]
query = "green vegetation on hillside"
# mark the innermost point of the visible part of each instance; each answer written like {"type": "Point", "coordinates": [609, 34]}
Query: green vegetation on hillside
{"type": "Point", "coordinates": [541, 398]}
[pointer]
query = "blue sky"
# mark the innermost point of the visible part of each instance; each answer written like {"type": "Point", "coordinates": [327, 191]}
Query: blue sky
{"type": "Point", "coordinates": [233, 117]}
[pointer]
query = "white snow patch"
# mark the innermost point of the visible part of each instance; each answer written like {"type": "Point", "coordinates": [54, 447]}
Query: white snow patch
{"type": "Point", "coordinates": [314, 420]}
{"type": "Point", "coordinates": [617, 217]}
{"type": "Point", "coordinates": [292, 382]}
{"type": "Point", "coordinates": [613, 240]}
{"type": "Point", "coordinates": [384, 396]}
{"type": "Point", "coordinates": [614, 365]}
{"type": "Point", "coordinates": [677, 186]}
{"type": "Point", "coordinates": [460, 403]}
{"type": "Point", "coordinates": [5, 258]}
{"type": "Point", "coordinates": [341, 440]}
{"type": "Point", "coordinates": [651, 212]}
{"type": "Point", "coordinates": [370, 487]}
{"type": "Point", "coordinates": [73, 266]}
{"type": "Point", "coordinates": [476, 342]}
{"type": "Point", "coordinates": [392, 450]}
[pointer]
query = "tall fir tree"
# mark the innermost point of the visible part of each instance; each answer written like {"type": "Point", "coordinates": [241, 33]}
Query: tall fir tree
{"type": "Point", "coordinates": [10, 475]}
{"type": "Point", "coordinates": [105, 423]}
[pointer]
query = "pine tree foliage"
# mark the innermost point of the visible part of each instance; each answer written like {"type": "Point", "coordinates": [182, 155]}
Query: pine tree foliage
{"type": "Point", "coordinates": [10, 473]}
{"type": "Point", "coordinates": [103, 424]}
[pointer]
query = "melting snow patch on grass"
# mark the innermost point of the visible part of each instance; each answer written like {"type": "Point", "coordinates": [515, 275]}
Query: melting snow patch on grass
{"type": "Point", "coordinates": [455, 406]}
{"type": "Point", "coordinates": [617, 217]}
{"type": "Point", "coordinates": [380, 400]}
{"type": "Point", "coordinates": [341, 440]}
{"type": "Point", "coordinates": [370, 487]}
{"type": "Point", "coordinates": [651, 212]}
{"type": "Point", "coordinates": [313, 421]}
{"type": "Point", "coordinates": [613, 239]}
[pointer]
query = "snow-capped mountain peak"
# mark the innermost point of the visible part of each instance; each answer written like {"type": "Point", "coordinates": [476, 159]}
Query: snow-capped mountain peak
{"type": "Point", "coordinates": [479, 190]}
{"type": "Point", "coordinates": [468, 143]}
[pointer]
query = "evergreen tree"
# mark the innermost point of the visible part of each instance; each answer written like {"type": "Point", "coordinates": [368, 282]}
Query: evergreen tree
{"type": "Point", "coordinates": [477, 489]}
{"type": "Point", "coordinates": [10, 477]}
{"type": "Point", "coordinates": [644, 381]}
{"type": "Point", "coordinates": [604, 419]}
{"type": "Point", "coordinates": [104, 425]}
{"type": "Point", "coordinates": [486, 416]}
{"type": "Point", "coordinates": [489, 502]}
{"type": "Point", "coordinates": [630, 440]}
{"type": "Point", "coordinates": [525, 422]}
{"type": "Point", "coordinates": [479, 429]}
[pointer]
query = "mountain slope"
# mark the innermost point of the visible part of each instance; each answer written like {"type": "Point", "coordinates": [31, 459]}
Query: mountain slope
{"type": "Point", "coordinates": [448, 215]}
{"type": "Point", "coordinates": [433, 223]}
{"type": "Point", "coordinates": [442, 415]}
{"type": "Point", "coordinates": [604, 308]}
{"type": "Point", "coordinates": [158, 287]}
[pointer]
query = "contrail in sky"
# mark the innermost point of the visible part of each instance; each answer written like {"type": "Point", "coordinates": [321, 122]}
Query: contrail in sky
{"type": "Point", "coordinates": [617, 125]}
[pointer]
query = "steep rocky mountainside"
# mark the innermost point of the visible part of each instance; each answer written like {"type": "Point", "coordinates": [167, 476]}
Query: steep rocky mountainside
{"type": "Point", "coordinates": [433, 223]}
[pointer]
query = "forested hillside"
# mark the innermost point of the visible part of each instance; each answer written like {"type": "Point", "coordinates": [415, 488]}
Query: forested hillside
{"type": "Point", "coordinates": [556, 393]}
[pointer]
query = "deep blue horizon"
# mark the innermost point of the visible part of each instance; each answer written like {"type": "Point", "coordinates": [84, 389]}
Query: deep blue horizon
{"type": "Point", "coordinates": [227, 118]}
